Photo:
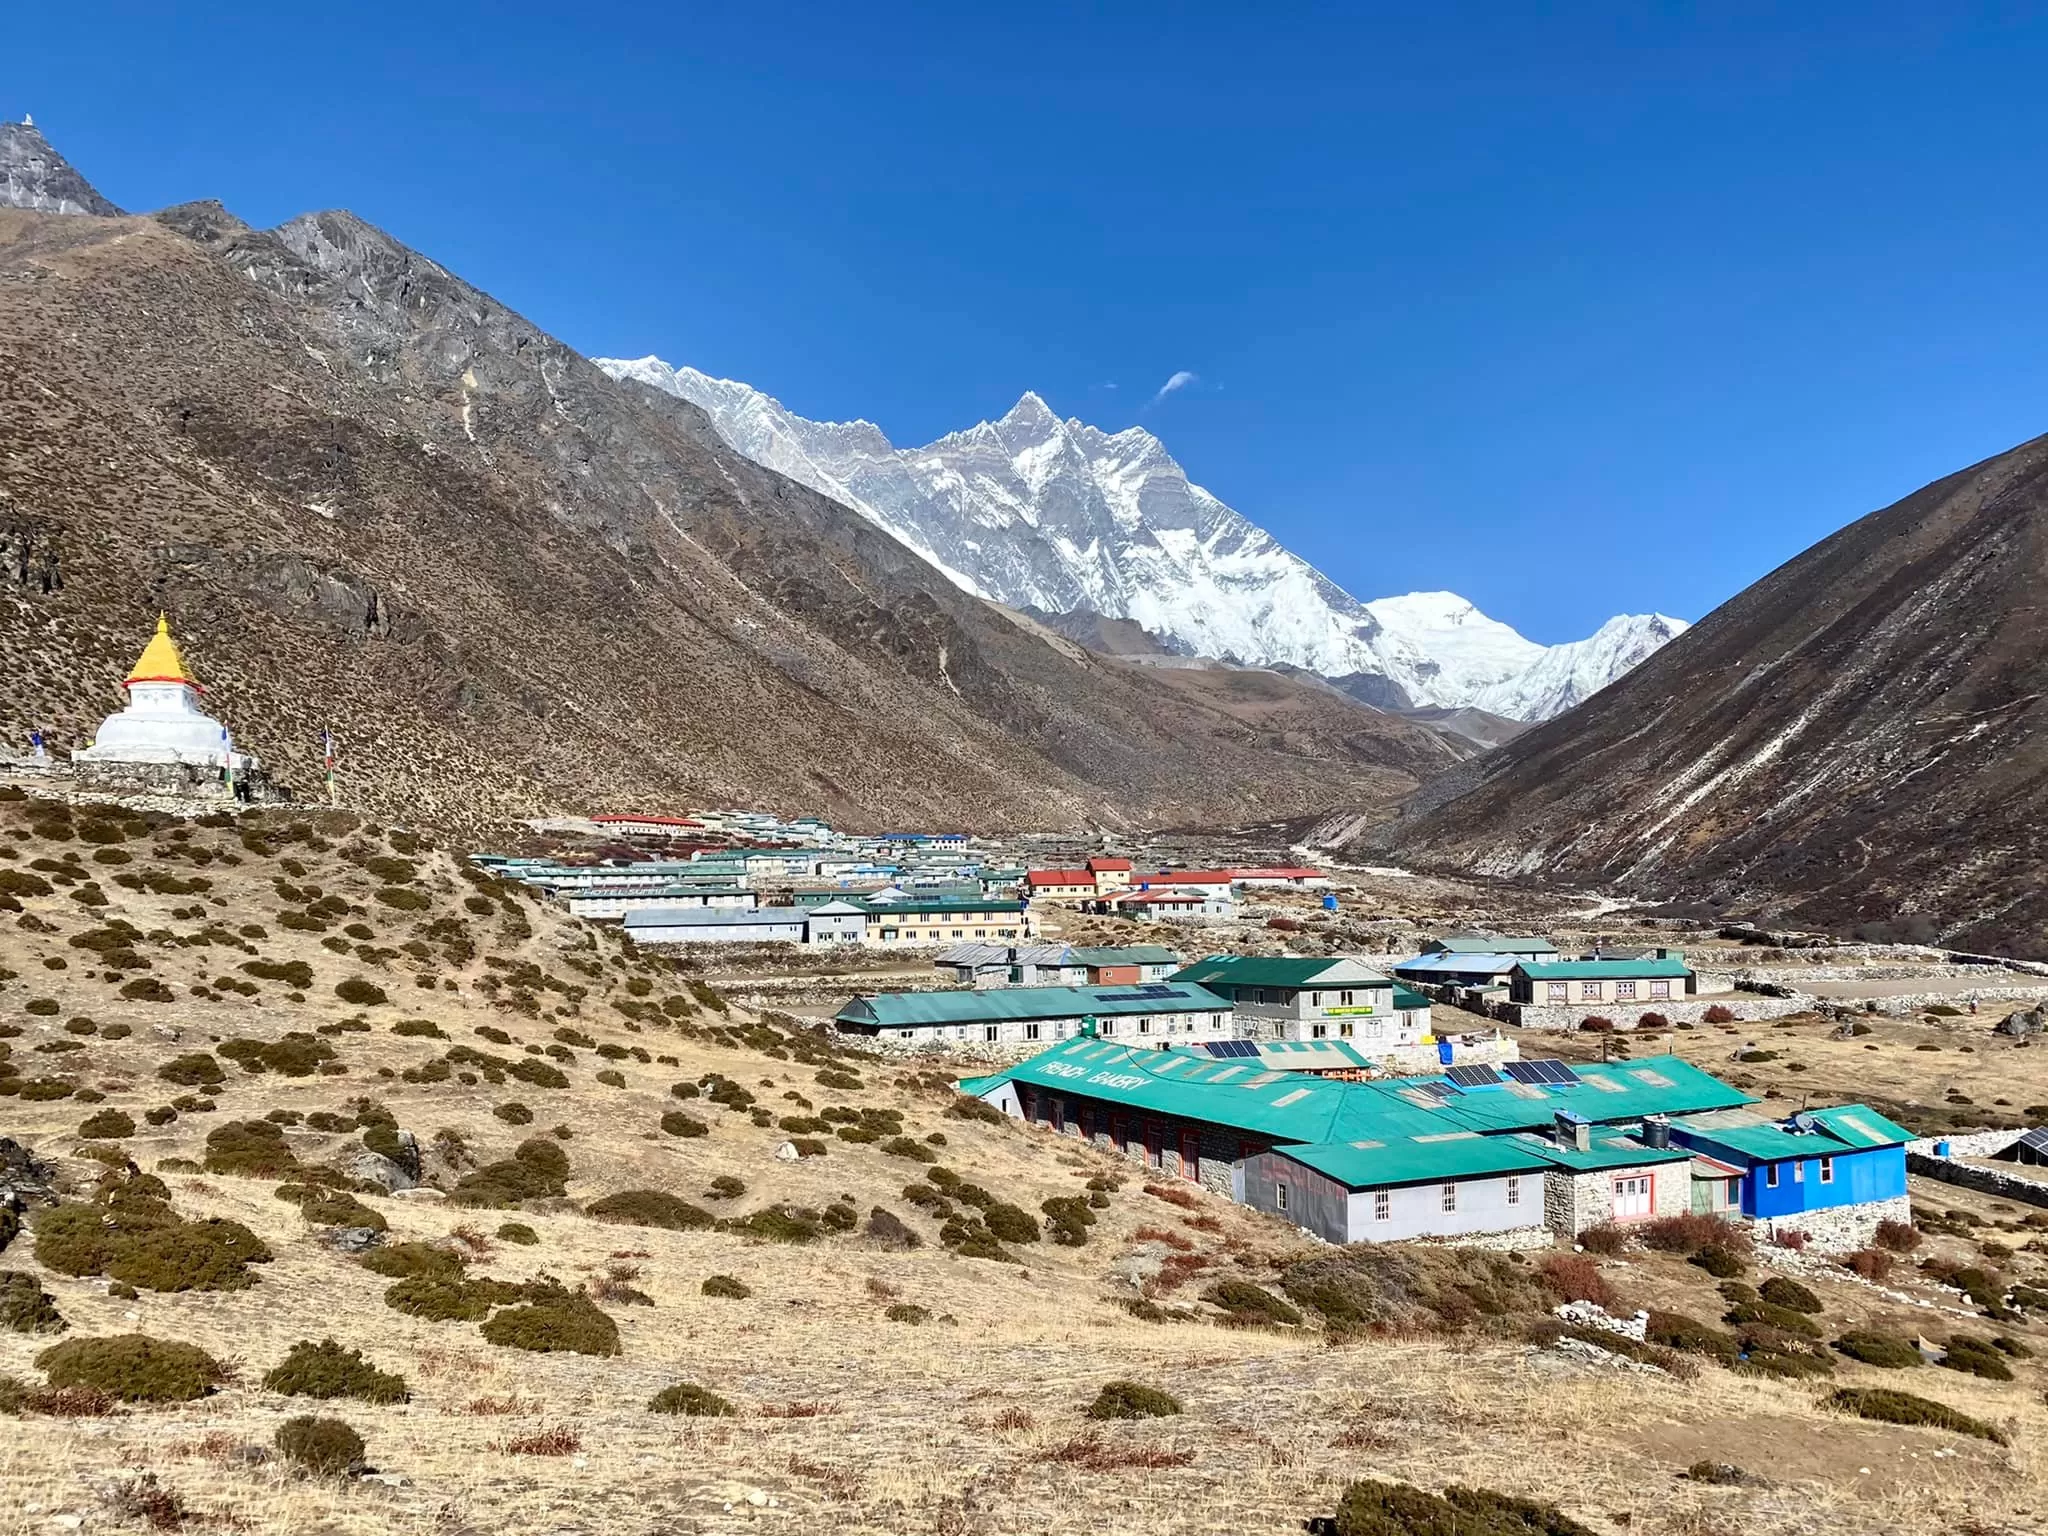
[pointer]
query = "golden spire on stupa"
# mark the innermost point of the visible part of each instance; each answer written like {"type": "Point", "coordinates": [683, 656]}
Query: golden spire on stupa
{"type": "Point", "coordinates": [160, 661]}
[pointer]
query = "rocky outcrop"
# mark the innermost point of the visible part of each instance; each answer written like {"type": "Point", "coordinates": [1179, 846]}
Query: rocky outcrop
{"type": "Point", "coordinates": [34, 176]}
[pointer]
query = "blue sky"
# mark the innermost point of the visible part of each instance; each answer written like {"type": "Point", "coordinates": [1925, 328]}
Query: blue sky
{"type": "Point", "coordinates": [1609, 309]}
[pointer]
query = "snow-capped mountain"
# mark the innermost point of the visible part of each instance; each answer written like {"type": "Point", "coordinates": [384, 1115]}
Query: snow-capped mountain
{"type": "Point", "coordinates": [1565, 674]}
{"type": "Point", "coordinates": [1036, 512]}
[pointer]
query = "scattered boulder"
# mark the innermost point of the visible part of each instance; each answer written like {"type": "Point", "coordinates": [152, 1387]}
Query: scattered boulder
{"type": "Point", "coordinates": [2024, 1024]}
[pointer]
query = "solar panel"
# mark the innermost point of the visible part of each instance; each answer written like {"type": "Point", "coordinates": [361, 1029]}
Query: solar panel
{"type": "Point", "coordinates": [1523, 1071]}
{"type": "Point", "coordinates": [1547, 1072]}
{"type": "Point", "coordinates": [1441, 1090]}
{"type": "Point", "coordinates": [1232, 1048]}
{"type": "Point", "coordinates": [2036, 1141]}
{"type": "Point", "coordinates": [1472, 1077]}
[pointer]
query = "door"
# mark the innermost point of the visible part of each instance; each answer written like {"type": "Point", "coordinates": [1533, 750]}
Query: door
{"type": "Point", "coordinates": [1190, 1155]}
{"type": "Point", "coordinates": [1632, 1197]}
{"type": "Point", "coordinates": [1155, 1143]}
{"type": "Point", "coordinates": [1120, 1133]}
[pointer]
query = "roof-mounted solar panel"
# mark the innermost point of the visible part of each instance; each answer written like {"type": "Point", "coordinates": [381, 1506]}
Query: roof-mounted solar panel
{"type": "Point", "coordinates": [1472, 1076]}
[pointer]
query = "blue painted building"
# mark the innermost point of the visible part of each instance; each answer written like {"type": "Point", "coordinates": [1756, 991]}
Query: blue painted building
{"type": "Point", "coordinates": [1816, 1160]}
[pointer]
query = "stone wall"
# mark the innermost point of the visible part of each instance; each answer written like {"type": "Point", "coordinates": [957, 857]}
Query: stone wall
{"type": "Point", "coordinates": [1841, 1228]}
{"type": "Point", "coordinates": [1921, 1158]}
{"type": "Point", "coordinates": [1967, 1144]}
{"type": "Point", "coordinates": [1679, 1010]}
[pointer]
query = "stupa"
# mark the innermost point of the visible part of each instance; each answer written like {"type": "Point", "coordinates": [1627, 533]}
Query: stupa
{"type": "Point", "coordinates": [163, 741]}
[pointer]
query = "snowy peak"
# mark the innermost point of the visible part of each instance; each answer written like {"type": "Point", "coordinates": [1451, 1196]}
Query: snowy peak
{"type": "Point", "coordinates": [1060, 517]}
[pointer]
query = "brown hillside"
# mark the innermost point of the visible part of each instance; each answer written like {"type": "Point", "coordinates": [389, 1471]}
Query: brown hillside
{"type": "Point", "coordinates": [1857, 739]}
{"type": "Point", "coordinates": [373, 498]}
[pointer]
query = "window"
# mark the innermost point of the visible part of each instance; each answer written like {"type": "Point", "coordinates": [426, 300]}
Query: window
{"type": "Point", "coordinates": [1344, 1028]}
{"type": "Point", "coordinates": [989, 1032]}
{"type": "Point", "coordinates": [1450, 1197]}
{"type": "Point", "coordinates": [1592, 991]}
{"type": "Point", "coordinates": [1771, 1176]}
{"type": "Point", "coordinates": [1383, 1205]}
{"type": "Point", "coordinates": [1279, 1197]}
{"type": "Point", "coordinates": [1344, 999]}
{"type": "Point", "coordinates": [1315, 999]}
{"type": "Point", "coordinates": [1660, 989]}
{"type": "Point", "coordinates": [1827, 1170]}
{"type": "Point", "coordinates": [1514, 1189]}
{"type": "Point", "coordinates": [1031, 1031]}
{"type": "Point", "coordinates": [1799, 1173]}
{"type": "Point", "coordinates": [1624, 991]}
{"type": "Point", "coordinates": [1144, 1024]}
{"type": "Point", "coordinates": [1317, 1031]}
{"type": "Point", "coordinates": [1106, 1027]}
{"type": "Point", "coordinates": [1559, 991]}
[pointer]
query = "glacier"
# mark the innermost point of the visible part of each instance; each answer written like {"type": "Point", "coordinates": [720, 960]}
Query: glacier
{"type": "Point", "coordinates": [1034, 511]}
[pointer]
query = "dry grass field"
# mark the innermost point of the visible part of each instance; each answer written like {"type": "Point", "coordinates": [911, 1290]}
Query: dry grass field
{"type": "Point", "coordinates": [874, 1386]}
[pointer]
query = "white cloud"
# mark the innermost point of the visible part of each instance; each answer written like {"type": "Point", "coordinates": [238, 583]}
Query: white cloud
{"type": "Point", "coordinates": [1180, 380]}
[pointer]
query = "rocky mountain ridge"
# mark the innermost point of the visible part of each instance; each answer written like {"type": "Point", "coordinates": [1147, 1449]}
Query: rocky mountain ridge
{"type": "Point", "coordinates": [1057, 516]}
{"type": "Point", "coordinates": [374, 499]}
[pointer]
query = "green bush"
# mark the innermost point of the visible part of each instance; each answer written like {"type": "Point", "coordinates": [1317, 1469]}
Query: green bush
{"type": "Point", "coordinates": [1010, 1224]}
{"type": "Point", "coordinates": [536, 1170]}
{"type": "Point", "coordinates": [909, 1312]}
{"type": "Point", "coordinates": [133, 1367]}
{"type": "Point", "coordinates": [341, 1209]}
{"type": "Point", "coordinates": [209, 1255]}
{"type": "Point", "coordinates": [1780, 1291]}
{"type": "Point", "coordinates": [556, 1320]}
{"type": "Point", "coordinates": [1782, 1318]}
{"type": "Point", "coordinates": [518, 1232]}
{"type": "Point", "coordinates": [777, 1224]}
{"type": "Point", "coordinates": [1880, 1349]}
{"type": "Point", "coordinates": [1883, 1405]}
{"type": "Point", "coordinates": [406, 1261]}
{"type": "Point", "coordinates": [1249, 1303]}
{"type": "Point", "coordinates": [196, 1069]}
{"type": "Point", "coordinates": [25, 1307]}
{"type": "Point", "coordinates": [107, 1125]}
{"type": "Point", "coordinates": [10, 1226]}
{"type": "Point", "coordinates": [1130, 1400]}
{"type": "Point", "coordinates": [915, 1151]}
{"type": "Point", "coordinates": [360, 993]}
{"type": "Point", "coordinates": [326, 1370]}
{"type": "Point", "coordinates": [727, 1287]}
{"type": "Point", "coordinates": [439, 1299]}
{"type": "Point", "coordinates": [1674, 1330]}
{"type": "Point", "coordinates": [1373, 1508]}
{"type": "Point", "coordinates": [514, 1114]}
{"type": "Point", "coordinates": [295, 974]}
{"type": "Point", "coordinates": [419, 1029]}
{"type": "Point", "coordinates": [326, 1447]}
{"type": "Point", "coordinates": [1975, 1357]}
{"type": "Point", "coordinates": [890, 1230]}
{"type": "Point", "coordinates": [251, 1148]}
{"type": "Point", "coordinates": [725, 1187]}
{"type": "Point", "coordinates": [1721, 1263]}
{"type": "Point", "coordinates": [649, 1208]}
{"type": "Point", "coordinates": [692, 1400]}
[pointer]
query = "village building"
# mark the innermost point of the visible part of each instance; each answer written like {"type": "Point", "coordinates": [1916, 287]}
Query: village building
{"type": "Point", "coordinates": [718, 925]}
{"type": "Point", "coordinates": [1831, 1174]}
{"type": "Point", "coordinates": [1458, 977]}
{"type": "Point", "coordinates": [947, 920]}
{"type": "Point", "coordinates": [1304, 999]}
{"type": "Point", "coordinates": [1031, 1016]}
{"type": "Point", "coordinates": [1575, 983]}
{"type": "Point", "coordinates": [163, 742]}
{"type": "Point", "coordinates": [602, 903]}
{"type": "Point", "coordinates": [1095, 880]}
{"type": "Point", "coordinates": [1055, 965]}
{"type": "Point", "coordinates": [1530, 1151]}
{"type": "Point", "coordinates": [1172, 904]}
{"type": "Point", "coordinates": [658, 828]}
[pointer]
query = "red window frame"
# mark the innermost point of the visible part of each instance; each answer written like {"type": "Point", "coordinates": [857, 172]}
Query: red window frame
{"type": "Point", "coordinates": [1190, 1155]}
{"type": "Point", "coordinates": [1119, 1132]}
{"type": "Point", "coordinates": [1155, 1143]}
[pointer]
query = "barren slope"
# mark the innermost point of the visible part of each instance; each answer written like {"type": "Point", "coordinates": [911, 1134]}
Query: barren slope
{"type": "Point", "coordinates": [1857, 738]}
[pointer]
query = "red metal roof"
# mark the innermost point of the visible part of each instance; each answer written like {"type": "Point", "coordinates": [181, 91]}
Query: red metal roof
{"type": "Point", "coordinates": [1109, 865]}
{"type": "Point", "coordinates": [1058, 877]}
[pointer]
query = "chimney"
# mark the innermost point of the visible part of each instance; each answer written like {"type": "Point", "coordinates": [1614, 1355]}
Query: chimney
{"type": "Point", "coordinates": [1574, 1130]}
{"type": "Point", "coordinates": [1656, 1132]}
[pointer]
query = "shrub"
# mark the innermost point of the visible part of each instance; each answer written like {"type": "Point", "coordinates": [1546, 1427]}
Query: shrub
{"type": "Point", "coordinates": [1249, 1303]}
{"type": "Point", "coordinates": [1010, 1224]}
{"type": "Point", "coordinates": [209, 1255]}
{"type": "Point", "coordinates": [1597, 1024]}
{"type": "Point", "coordinates": [1373, 1508]}
{"type": "Point", "coordinates": [649, 1208]}
{"type": "Point", "coordinates": [691, 1400]}
{"type": "Point", "coordinates": [777, 1224]}
{"type": "Point", "coordinates": [25, 1307]}
{"type": "Point", "coordinates": [1653, 1021]}
{"type": "Point", "coordinates": [1689, 1233]}
{"type": "Point", "coordinates": [1719, 1013]}
{"type": "Point", "coordinates": [326, 1447]}
{"type": "Point", "coordinates": [537, 1073]}
{"type": "Point", "coordinates": [1781, 1291]}
{"type": "Point", "coordinates": [295, 974]}
{"type": "Point", "coordinates": [1883, 1405]}
{"type": "Point", "coordinates": [514, 1114]}
{"type": "Point", "coordinates": [726, 1286]}
{"type": "Point", "coordinates": [446, 1299]}
{"type": "Point", "coordinates": [518, 1232]}
{"type": "Point", "coordinates": [1674, 1330]}
{"type": "Point", "coordinates": [676, 1123]}
{"type": "Point", "coordinates": [107, 1125]}
{"type": "Point", "coordinates": [1975, 1357]}
{"type": "Point", "coordinates": [360, 993]}
{"type": "Point", "coordinates": [555, 1320]}
{"type": "Point", "coordinates": [1574, 1277]}
{"type": "Point", "coordinates": [1763, 1313]}
{"type": "Point", "coordinates": [890, 1230]}
{"type": "Point", "coordinates": [1068, 1218]}
{"type": "Point", "coordinates": [725, 1187]}
{"type": "Point", "coordinates": [133, 1367]}
{"type": "Point", "coordinates": [1606, 1239]}
{"type": "Point", "coordinates": [1896, 1236]}
{"type": "Point", "coordinates": [1719, 1262]}
{"type": "Point", "coordinates": [196, 1069]}
{"type": "Point", "coordinates": [326, 1370]}
{"type": "Point", "coordinates": [419, 1029]}
{"type": "Point", "coordinates": [251, 1148]}
{"type": "Point", "coordinates": [1880, 1349]}
{"type": "Point", "coordinates": [1873, 1264]}
{"type": "Point", "coordinates": [1130, 1400]}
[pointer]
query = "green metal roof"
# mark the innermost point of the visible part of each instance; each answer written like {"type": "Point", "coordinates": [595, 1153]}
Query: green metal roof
{"type": "Point", "coordinates": [994, 1005]}
{"type": "Point", "coordinates": [1366, 1163]}
{"type": "Point", "coordinates": [1271, 971]}
{"type": "Point", "coordinates": [1846, 1127]}
{"type": "Point", "coordinates": [941, 905]}
{"type": "Point", "coordinates": [1603, 970]}
{"type": "Point", "coordinates": [1403, 998]}
{"type": "Point", "coordinates": [1494, 944]}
